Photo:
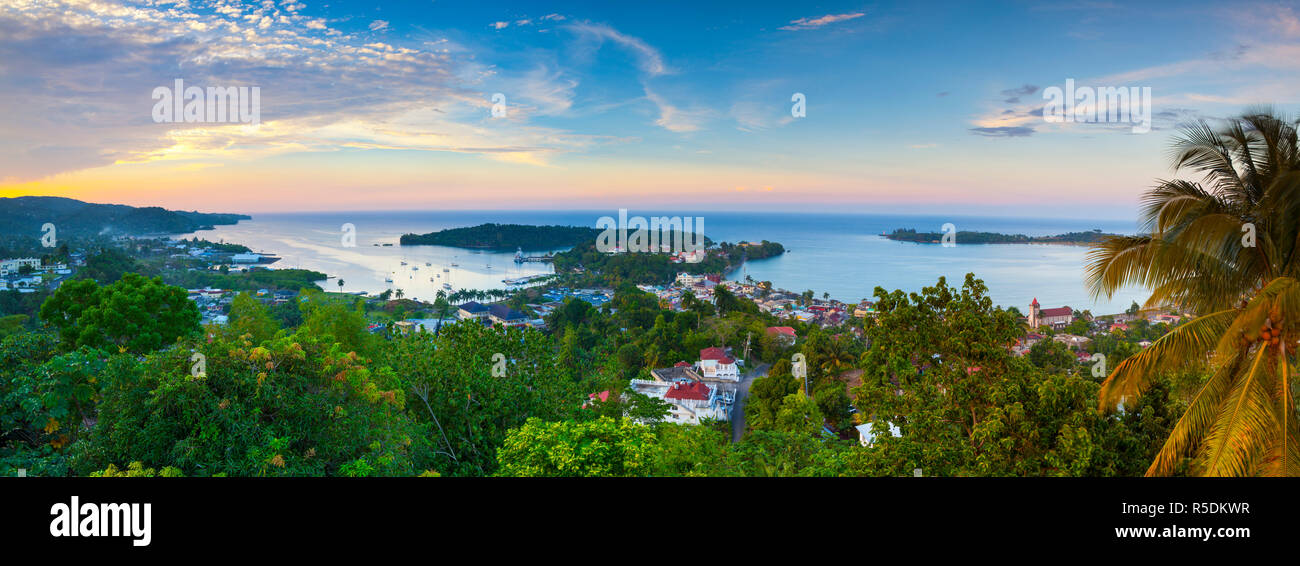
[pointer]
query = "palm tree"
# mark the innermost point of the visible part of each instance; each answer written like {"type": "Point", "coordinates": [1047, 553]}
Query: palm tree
{"type": "Point", "coordinates": [340, 285]}
{"type": "Point", "coordinates": [837, 356]}
{"type": "Point", "coordinates": [444, 307]}
{"type": "Point", "coordinates": [399, 293]}
{"type": "Point", "coordinates": [1228, 249]}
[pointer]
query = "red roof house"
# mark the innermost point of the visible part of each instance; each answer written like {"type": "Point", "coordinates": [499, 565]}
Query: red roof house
{"type": "Point", "coordinates": [781, 330]}
{"type": "Point", "coordinates": [691, 390]}
{"type": "Point", "coordinates": [714, 353]}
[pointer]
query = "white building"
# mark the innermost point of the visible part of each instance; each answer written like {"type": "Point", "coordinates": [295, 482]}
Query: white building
{"type": "Point", "coordinates": [866, 437]}
{"type": "Point", "coordinates": [687, 280]}
{"type": "Point", "coordinates": [689, 401]}
{"type": "Point", "coordinates": [11, 266]}
{"type": "Point", "coordinates": [245, 258]}
{"type": "Point", "coordinates": [715, 363]}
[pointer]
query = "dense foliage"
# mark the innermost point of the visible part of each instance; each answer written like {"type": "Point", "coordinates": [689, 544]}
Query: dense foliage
{"type": "Point", "coordinates": [144, 392]}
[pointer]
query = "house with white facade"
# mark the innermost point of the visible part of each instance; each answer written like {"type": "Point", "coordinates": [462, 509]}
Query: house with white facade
{"type": "Point", "coordinates": [714, 362]}
{"type": "Point", "coordinates": [472, 309]}
{"type": "Point", "coordinates": [867, 437]}
{"type": "Point", "coordinates": [689, 401]}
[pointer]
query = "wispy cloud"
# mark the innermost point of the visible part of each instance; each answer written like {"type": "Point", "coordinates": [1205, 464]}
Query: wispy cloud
{"type": "Point", "coordinates": [1004, 131]}
{"type": "Point", "coordinates": [649, 59]}
{"type": "Point", "coordinates": [814, 23]}
{"type": "Point", "coordinates": [672, 118]}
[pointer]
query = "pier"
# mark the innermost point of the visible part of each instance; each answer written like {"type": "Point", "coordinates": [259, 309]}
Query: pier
{"type": "Point", "coordinates": [521, 258]}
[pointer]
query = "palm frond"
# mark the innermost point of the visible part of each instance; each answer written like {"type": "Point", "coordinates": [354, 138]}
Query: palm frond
{"type": "Point", "coordinates": [1183, 344]}
{"type": "Point", "coordinates": [1283, 458]}
{"type": "Point", "coordinates": [1236, 442]}
{"type": "Point", "coordinates": [1191, 427]}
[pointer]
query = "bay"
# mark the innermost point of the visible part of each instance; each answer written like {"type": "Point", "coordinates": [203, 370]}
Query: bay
{"type": "Point", "coordinates": [840, 254]}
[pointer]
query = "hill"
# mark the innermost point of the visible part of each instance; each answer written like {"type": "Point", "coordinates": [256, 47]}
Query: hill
{"type": "Point", "coordinates": [24, 216]}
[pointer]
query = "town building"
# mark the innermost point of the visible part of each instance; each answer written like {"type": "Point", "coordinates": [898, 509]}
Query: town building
{"type": "Point", "coordinates": [472, 309]}
{"type": "Point", "coordinates": [785, 334]}
{"type": "Point", "coordinates": [714, 362]}
{"type": "Point", "coordinates": [867, 437]}
{"type": "Point", "coordinates": [1055, 318]}
{"type": "Point", "coordinates": [689, 401]}
{"type": "Point", "coordinates": [13, 266]}
{"type": "Point", "coordinates": [504, 315]}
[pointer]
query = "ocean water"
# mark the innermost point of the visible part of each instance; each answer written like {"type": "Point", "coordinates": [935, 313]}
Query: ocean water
{"type": "Point", "coordinates": [840, 254]}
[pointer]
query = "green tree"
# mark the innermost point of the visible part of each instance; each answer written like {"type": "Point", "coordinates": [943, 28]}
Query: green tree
{"type": "Point", "coordinates": [135, 314]}
{"type": "Point", "coordinates": [249, 316]}
{"type": "Point", "coordinates": [766, 395]}
{"type": "Point", "coordinates": [603, 447]}
{"type": "Point", "coordinates": [1051, 355]}
{"type": "Point", "coordinates": [297, 405]}
{"type": "Point", "coordinates": [798, 413]}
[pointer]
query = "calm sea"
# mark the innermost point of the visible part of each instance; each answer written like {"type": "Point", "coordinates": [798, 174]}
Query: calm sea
{"type": "Point", "coordinates": [840, 254]}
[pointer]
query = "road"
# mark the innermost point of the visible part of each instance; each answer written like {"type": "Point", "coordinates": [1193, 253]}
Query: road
{"type": "Point", "coordinates": [742, 393]}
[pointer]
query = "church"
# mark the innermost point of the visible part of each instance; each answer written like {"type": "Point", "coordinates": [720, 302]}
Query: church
{"type": "Point", "coordinates": [1055, 318]}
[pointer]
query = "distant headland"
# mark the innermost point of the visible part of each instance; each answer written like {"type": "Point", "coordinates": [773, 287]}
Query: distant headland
{"type": "Point", "coordinates": [963, 237]}
{"type": "Point", "coordinates": [25, 216]}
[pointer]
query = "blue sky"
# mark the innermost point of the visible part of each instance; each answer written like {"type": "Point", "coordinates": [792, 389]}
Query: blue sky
{"type": "Point", "coordinates": [911, 107]}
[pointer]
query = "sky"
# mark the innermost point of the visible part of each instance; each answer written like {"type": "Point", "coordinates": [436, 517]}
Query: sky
{"type": "Point", "coordinates": [878, 107]}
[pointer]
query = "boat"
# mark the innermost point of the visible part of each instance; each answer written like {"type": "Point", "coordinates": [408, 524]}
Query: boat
{"type": "Point", "coordinates": [454, 264]}
{"type": "Point", "coordinates": [445, 270]}
{"type": "Point", "coordinates": [431, 280]}
{"type": "Point", "coordinates": [403, 263]}
{"type": "Point", "coordinates": [413, 268]}
{"type": "Point", "coordinates": [446, 286]}
{"type": "Point", "coordinates": [427, 264]}
{"type": "Point", "coordinates": [388, 280]}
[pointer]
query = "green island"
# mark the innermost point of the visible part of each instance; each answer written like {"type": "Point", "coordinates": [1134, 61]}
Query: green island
{"type": "Point", "coordinates": [596, 268]}
{"type": "Point", "coordinates": [964, 237]}
{"type": "Point", "coordinates": [504, 237]}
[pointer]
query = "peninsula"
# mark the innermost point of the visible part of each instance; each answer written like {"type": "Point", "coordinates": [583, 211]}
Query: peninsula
{"type": "Point", "coordinates": [964, 237]}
